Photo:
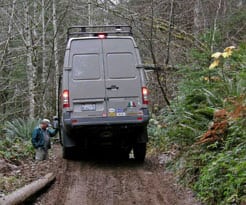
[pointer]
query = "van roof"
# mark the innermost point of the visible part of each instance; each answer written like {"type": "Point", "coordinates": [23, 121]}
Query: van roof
{"type": "Point", "coordinates": [90, 31]}
{"type": "Point", "coordinates": [97, 38]}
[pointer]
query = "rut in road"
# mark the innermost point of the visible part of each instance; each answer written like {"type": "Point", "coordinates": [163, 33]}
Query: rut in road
{"type": "Point", "coordinates": [110, 183]}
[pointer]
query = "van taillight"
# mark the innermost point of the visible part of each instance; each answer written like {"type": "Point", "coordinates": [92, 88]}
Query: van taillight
{"type": "Point", "coordinates": [102, 35]}
{"type": "Point", "coordinates": [145, 94]}
{"type": "Point", "coordinates": [65, 98]}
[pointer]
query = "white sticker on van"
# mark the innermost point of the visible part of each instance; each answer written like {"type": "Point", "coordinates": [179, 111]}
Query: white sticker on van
{"type": "Point", "coordinates": [120, 114]}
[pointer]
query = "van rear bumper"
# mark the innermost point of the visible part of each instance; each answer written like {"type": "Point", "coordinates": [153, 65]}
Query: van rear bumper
{"type": "Point", "coordinates": [71, 123]}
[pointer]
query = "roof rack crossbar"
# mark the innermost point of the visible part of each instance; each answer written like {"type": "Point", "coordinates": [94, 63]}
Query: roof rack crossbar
{"type": "Point", "coordinates": [83, 31]}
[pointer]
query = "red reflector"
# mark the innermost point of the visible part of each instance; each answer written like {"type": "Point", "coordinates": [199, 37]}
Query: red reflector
{"type": "Point", "coordinates": [65, 99]}
{"type": "Point", "coordinates": [74, 121]}
{"type": "Point", "coordinates": [145, 94]}
{"type": "Point", "coordinates": [139, 118]}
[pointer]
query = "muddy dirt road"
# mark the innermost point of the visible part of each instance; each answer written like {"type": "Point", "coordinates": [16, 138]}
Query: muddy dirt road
{"type": "Point", "coordinates": [108, 182]}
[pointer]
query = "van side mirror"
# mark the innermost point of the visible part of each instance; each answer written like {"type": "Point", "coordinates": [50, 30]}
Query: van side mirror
{"type": "Point", "coordinates": [55, 122]}
{"type": "Point", "coordinates": [149, 67]}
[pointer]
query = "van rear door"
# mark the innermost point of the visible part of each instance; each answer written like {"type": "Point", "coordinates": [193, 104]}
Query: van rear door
{"type": "Point", "coordinates": [86, 81]}
{"type": "Point", "coordinates": [122, 78]}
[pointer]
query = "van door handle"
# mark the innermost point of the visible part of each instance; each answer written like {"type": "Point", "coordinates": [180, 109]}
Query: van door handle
{"type": "Point", "coordinates": [113, 87]}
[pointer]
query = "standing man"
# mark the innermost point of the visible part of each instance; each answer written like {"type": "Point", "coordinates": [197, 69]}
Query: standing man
{"type": "Point", "coordinates": [41, 139]}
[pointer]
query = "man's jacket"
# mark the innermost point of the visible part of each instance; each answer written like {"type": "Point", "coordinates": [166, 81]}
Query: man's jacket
{"type": "Point", "coordinates": [38, 136]}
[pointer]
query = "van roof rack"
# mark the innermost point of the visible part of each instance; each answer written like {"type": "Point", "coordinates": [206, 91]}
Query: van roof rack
{"type": "Point", "coordinates": [109, 30]}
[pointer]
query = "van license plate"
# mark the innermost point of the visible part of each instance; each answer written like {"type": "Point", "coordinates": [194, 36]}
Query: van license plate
{"type": "Point", "coordinates": [88, 107]}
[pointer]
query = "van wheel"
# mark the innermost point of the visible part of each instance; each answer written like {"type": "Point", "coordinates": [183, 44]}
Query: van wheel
{"type": "Point", "coordinates": [139, 151]}
{"type": "Point", "coordinates": [124, 155]}
{"type": "Point", "coordinates": [68, 152]}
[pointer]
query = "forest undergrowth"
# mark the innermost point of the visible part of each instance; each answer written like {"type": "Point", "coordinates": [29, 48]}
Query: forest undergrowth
{"type": "Point", "coordinates": [206, 128]}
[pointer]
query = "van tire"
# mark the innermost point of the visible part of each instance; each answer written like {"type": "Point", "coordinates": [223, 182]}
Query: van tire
{"type": "Point", "coordinates": [67, 152]}
{"type": "Point", "coordinates": [124, 155]}
{"type": "Point", "coordinates": [139, 151]}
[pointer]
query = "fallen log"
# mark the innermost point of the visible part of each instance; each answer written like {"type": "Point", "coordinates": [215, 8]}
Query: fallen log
{"type": "Point", "coordinates": [22, 194]}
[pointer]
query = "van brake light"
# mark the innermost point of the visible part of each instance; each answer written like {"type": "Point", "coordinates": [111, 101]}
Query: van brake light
{"type": "Point", "coordinates": [102, 35]}
{"type": "Point", "coordinates": [65, 98]}
{"type": "Point", "coordinates": [145, 94]}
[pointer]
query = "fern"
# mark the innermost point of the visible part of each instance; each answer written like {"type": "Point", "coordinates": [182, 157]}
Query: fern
{"type": "Point", "coordinates": [20, 128]}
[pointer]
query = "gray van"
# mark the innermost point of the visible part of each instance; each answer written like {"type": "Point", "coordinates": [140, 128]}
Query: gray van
{"type": "Point", "coordinates": [104, 95]}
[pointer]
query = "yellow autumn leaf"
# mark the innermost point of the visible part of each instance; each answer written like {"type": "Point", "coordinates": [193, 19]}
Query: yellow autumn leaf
{"type": "Point", "coordinates": [230, 48]}
{"type": "Point", "coordinates": [228, 51]}
{"type": "Point", "coordinates": [216, 55]}
{"type": "Point", "coordinates": [226, 54]}
{"type": "Point", "coordinates": [214, 64]}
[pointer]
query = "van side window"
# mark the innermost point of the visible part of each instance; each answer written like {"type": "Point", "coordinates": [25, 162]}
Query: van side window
{"type": "Point", "coordinates": [121, 65]}
{"type": "Point", "coordinates": [86, 67]}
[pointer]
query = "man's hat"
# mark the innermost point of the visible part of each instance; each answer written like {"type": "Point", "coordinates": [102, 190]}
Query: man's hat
{"type": "Point", "coordinates": [45, 121]}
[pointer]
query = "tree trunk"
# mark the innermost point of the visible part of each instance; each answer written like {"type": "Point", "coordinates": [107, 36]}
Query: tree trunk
{"type": "Point", "coordinates": [199, 21]}
{"type": "Point", "coordinates": [240, 3]}
{"type": "Point", "coordinates": [44, 68]}
{"type": "Point", "coordinates": [4, 92]}
{"type": "Point", "coordinates": [215, 26]}
{"type": "Point", "coordinates": [57, 71]}
{"type": "Point", "coordinates": [164, 94]}
{"type": "Point", "coordinates": [6, 46]}
{"type": "Point", "coordinates": [31, 69]}
{"type": "Point", "coordinates": [89, 12]}
{"type": "Point", "coordinates": [22, 194]}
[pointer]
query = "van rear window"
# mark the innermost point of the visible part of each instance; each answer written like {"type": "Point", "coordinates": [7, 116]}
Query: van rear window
{"type": "Point", "coordinates": [121, 65]}
{"type": "Point", "coordinates": [86, 67]}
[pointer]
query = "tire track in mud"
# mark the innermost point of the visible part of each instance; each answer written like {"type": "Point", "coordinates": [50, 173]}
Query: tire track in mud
{"type": "Point", "coordinates": [114, 183]}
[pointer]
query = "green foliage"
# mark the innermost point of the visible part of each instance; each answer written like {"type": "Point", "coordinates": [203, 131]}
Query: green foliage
{"type": "Point", "coordinates": [216, 171]}
{"type": "Point", "coordinates": [223, 180]}
{"type": "Point", "coordinates": [9, 182]}
{"type": "Point", "coordinates": [189, 119]}
{"type": "Point", "coordinates": [20, 128]}
{"type": "Point", "coordinates": [15, 143]}
{"type": "Point", "coordinates": [15, 149]}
